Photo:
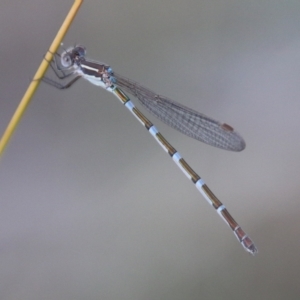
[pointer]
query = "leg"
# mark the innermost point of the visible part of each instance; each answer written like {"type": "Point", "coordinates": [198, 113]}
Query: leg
{"type": "Point", "coordinates": [56, 67]}
{"type": "Point", "coordinates": [59, 85]}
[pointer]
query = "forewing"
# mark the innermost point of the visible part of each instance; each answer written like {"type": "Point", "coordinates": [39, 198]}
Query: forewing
{"type": "Point", "coordinates": [184, 119]}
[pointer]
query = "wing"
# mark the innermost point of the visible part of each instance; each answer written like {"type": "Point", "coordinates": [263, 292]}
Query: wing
{"type": "Point", "coordinates": [184, 119]}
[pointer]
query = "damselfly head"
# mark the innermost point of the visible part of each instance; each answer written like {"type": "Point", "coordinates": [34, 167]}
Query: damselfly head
{"type": "Point", "coordinates": [73, 55]}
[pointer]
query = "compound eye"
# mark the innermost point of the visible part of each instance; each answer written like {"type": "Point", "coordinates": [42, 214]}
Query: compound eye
{"type": "Point", "coordinates": [66, 60]}
{"type": "Point", "coordinates": [80, 51]}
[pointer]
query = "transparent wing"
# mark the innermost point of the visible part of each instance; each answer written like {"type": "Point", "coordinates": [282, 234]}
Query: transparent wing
{"type": "Point", "coordinates": [184, 119]}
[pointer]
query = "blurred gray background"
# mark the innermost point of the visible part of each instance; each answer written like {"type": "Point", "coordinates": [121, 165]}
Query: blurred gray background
{"type": "Point", "coordinates": [90, 205]}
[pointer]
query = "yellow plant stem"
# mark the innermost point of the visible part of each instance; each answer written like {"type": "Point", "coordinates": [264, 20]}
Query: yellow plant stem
{"type": "Point", "coordinates": [38, 75]}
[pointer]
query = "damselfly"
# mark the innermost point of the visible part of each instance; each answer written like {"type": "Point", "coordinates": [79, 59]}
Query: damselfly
{"type": "Point", "coordinates": [74, 64]}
